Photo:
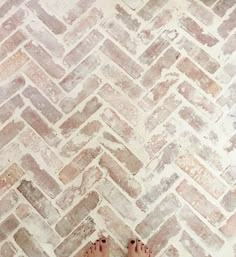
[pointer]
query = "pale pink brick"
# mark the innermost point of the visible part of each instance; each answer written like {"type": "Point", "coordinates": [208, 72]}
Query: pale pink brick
{"type": "Point", "coordinates": [230, 174]}
{"type": "Point", "coordinates": [121, 177]}
{"type": "Point", "coordinates": [123, 154]}
{"type": "Point", "coordinates": [200, 203]}
{"type": "Point", "coordinates": [201, 175]}
{"type": "Point", "coordinates": [80, 72]}
{"type": "Point", "coordinates": [229, 229]}
{"type": "Point", "coordinates": [200, 229]}
{"type": "Point", "coordinates": [231, 145]}
{"type": "Point", "coordinates": [221, 7]}
{"type": "Point", "coordinates": [41, 176]}
{"type": "Point", "coordinates": [229, 46]}
{"type": "Point", "coordinates": [154, 145]}
{"type": "Point", "coordinates": [228, 25]}
{"type": "Point", "coordinates": [11, 65]}
{"type": "Point", "coordinates": [200, 101]}
{"type": "Point", "coordinates": [208, 2]}
{"type": "Point", "coordinates": [149, 9]}
{"type": "Point", "coordinates": [194, 29]}
{"type": "Point", "coordinates": [45, 60]}
{"type": "Point", "coordinates": [230, 69]}
{"type": "Point", "coordinates": [8, 202]}
{"type": "Point", "coordinates": [119, 78]}
{"type": "Point", "coordinates": [10, 131]}
{"type": "Point", "coordinates": [88, 179]}
{"type": "Point", "coordinates": [50, 21]}
{"type": "Point", "coordinates": [120, 103]}
{"type": "Point", "coordinates": [78, 164]}
{"type": "Point", "coordinates": [161, 238]}
{"type": "Point", "coordinates": [7, 250]}
{"type": "Point", "coordinates": [10, 108]}
{"type": "Point", "coordinates": [77, 10]}
{"type": "Point", "coordinates": [8, 5]}
{"type": "Point", "coordinates": [155, 72]}
{"type": "Point", "coordinates": [83, 26]}
{"type": "Point", "coordinates": [155, 95]}
{"type": "Point", "coordinates": [153, 193]}
{"type": "Point", "coordinates": [8, 226]}
{"type": "Point", "coordinates": [121, 59]}
{"type": "Point", "coordinates": [228, 98]}
{"type": "Point", "coordinates": [115, 225]}
{"type": "Point", "coordinates": [228, 201]}
{"type": "Point", "coordinates": [76, 238]}
{"type": "Point", "coordinates": [42, 104]}
{"type": "Point", "coordinates": [171, 251]}
{"type": "Point", "coordinates": [120, 35]}
{"type": "Point", "coordinates": [38, 201]}
{"type": "Point", "coordinates": [115, 248]}
{"type": "Point", "coordinates": [84, 250]}
{"type": "Point", "coordinates": [9, 177]}
{"type": "Point", "coordinates": [157, 216]}
{"type": "Point", "coordinates": [199, 77]}
{"type": "Point", "coordinates": [77, 54]}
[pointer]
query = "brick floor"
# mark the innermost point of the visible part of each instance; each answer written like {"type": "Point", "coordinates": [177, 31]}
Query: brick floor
{"type": "Point", "coordinates": [118, 118]}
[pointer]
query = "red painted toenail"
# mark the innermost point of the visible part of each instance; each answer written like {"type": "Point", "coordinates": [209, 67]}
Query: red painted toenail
{"type": "Point", "coordinates": [132, 241]}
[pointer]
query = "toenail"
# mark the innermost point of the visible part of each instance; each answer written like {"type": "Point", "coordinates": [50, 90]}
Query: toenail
{"type": "Point", "coordinates": [132, 241]}
{"type": "Point", "coordinates": [104, 240]}
{"type": "Point", "coordinates": [138, 240]}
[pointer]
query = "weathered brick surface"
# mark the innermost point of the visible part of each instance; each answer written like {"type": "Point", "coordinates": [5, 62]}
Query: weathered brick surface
{"type": "Point", "coordinates": [117, 118]}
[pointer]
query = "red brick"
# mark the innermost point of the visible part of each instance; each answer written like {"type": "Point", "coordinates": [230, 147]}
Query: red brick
{"type": "Point", "coordinates": [28, 244]}
{"type": "Point", "coordinates": [80, 72]}
{"type": "Point", "coordinates": [200, 101]}
{"type": "Point", "coordinates": [171, 251]}
{"type": "Point", "coordinates": [77, 54]}
{"type": "Point", "coordinates": [8, 202]}
{"type": "Point", "coordinates": [200, 229]}
{"type": "Point", "coordinates": [231, 144]}
{"type": "Point", "coordinates": [46, 38]}
{"type": "Point", "coordinates": [83, 26]}
{"type": "Point", "coordinates": [11, 65]}
{"type": "Point", "coordinates": [229, 229]}
{"type": "Point", "coordinates": [115, 225]}
{"type": "Point", "coordinates": [155, 72]}
{"type": "Point", "coordinates": [154, 192]}
{"type": "Point", "coordinates": [40, 126]}
{"type": "Point", "coordinates": [8, 5]}
{"type": "Point", "coordinates": [42, 104]}
{"type": "Point", "coordinates": [149, 9]}
{"type": "Point", "coordinates": [7, 250]}
{"type": "Point", "coordinates": [120, 35]}
{"type": "Point", "coordinates": [134, 91]}
{"type": "Point", "coordinates": [201, 175]}
{"type": "Point", "coordinates": [9, 177]}
{"type": "Point", "coordinates": [161, 238]}
{"type": "Point", "coordinates": [88, 179]}
{"type": "Point", "coordinates": [76, 238]}
{"type": "Point", "coordinates": [123, 154]}
{"type": "Point", "coordinates": [79, 163]}
{"type": "Point", "coordinates": [200, 203]}
{"type": "Point", "coordinates": [157, 216]}
{"type": "Point", "coordinates": [192, 246]}
{"type": "Point", "coordinates": [155, 95]}
{"type": "Point", "coordinates": [127, 19]}
{"type": "Point", "coordinates": [156, 142]}
{"type": "Point", "coordinates": [45, 60]}
{"type": "Point", "coordinates": [41, 177]}
{"type": "Point", "coordinates": [221, 7]}
{"type": "Point", "coordinates": [8, 226]}
{"type": "Point", "coordinates": [120, 103]}
{"type": "Point", "coordinates": [10, 131]}
{"type": "Point", "coordinates": [76, 215]}
{"type": "Point", "coordinates": [199, 77]}
{"type": "Point", "coordinates": [38, 201]}
{"type": "Point", "coordinates": [197, 32]}
{"type": "Point", "coordinates": [228, 25]}
{"type": "Point", "coordinates": [162, 112]}
{"type": "Point", "coordinates": [121, 177]}
{"type": "Point", "coordinates": [10, 108]}
{"type": "Point", "coordinates": [121, 59]}
{"type": "Point", "coordinates": [50, 21]}
{"type": "Point", "coordinates": [228, 201]}
{"type": "Point", "coordinates": [77, 10]}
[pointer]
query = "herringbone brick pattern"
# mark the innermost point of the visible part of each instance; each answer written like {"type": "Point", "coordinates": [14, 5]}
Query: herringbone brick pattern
{"type": "Point", "coordinates": [118, 118]}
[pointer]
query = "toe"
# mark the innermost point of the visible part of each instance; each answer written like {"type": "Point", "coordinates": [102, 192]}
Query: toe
{"type": "Point", "coordinates": [132, 246]}
{"type": "Point", "coordinates": [97, 245]}
{"type": "Point", "coordinates": [139, 245]}
{"type": "Point", "coordinates": [151, 254]}
{"type": "Point", "coordinates": [147, 251]}
{"type": "Point", "coordinates": [104, 245]}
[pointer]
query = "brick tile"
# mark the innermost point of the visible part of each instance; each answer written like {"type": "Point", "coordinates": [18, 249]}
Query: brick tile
{"type": "Point", "coordinates": [7, 250]}
{"type": "Point", "coordinates": [121, 59]}
{"type": "Point", "coordinates": [228, 98]}
{"type": "Point", "coordinates": [171, 251]}
{"type": "Point", "coordinates": [154, 145]}
{"type": "Point", "coordinates": [8, 202]}
{"type": "Point", "coordinates": [157, 216]}
{"type": "Point", "coordinates": [41, 176]}
{"type": "Point", "coordinates": [8, 226]}
{"type": "Point", "coordinates": [7, 6]}
{"type": "Point", "coordinates": [200, 203]}
{"type": "Point", "coordinates": [231, 144]}
{"type": "Point", "coordinates": [44, 60]}
{"type": "Point", "coordinates": [38, 201]}
{"type": "Point", "coordinates": [221, 7]}
{"type": "Point", "coordinates": [199, 77]}
{"type": "Point", "coordinates": [42, 104]}
{"type": "Point", "coordinates": [209, 2]}
{"type": "Point", "coordinates": [228, 201]}
{"type": "Point", "coordinates": [50, 21]}
{"type": "Point", "coordinates": [9, 177]}
{"type": "Point", "coordinates": [76, 238]}
{"type": "Point", "coordinates": [26, 241]}
{"type": "Point", "coordinates": [228, 25]}
{"type": "Point", "coordinates": [65, 225]}
{"type": "Point", "coordinates": [230, 227]}
{"type": "Point", "coordinates": [155, 72]}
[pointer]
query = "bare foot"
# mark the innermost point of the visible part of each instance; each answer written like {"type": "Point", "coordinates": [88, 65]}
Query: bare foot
{"type": "Point", "coordinates": [138, 249]}
{"type": "Point", "coordinates": [99, 249]}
